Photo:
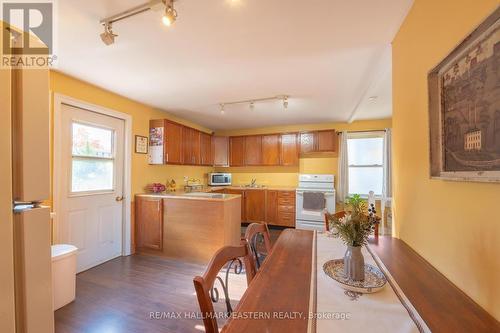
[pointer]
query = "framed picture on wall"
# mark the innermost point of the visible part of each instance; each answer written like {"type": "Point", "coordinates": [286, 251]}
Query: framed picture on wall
{"type": "Point", "coordinates": [141, 144]}
{"type": "Point", "coordinates": [464, 108]}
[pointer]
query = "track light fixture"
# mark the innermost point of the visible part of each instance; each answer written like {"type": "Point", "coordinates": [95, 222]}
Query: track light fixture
{"type": "Point", "coordinates": [251, 102]}
{"type": "Point", "coordinates": [170, 13]}
{"type": "Point", "coordinates": [168, 18]}
{"type": "Point", "coordinates": [108, 37]}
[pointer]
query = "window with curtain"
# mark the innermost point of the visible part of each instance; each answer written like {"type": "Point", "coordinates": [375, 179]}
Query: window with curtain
{"type": "Point", "coordinates": [365, 162]}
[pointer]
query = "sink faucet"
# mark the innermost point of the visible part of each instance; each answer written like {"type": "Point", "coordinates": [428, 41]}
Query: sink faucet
{"type": "Point", "coordinates": [253, 181]}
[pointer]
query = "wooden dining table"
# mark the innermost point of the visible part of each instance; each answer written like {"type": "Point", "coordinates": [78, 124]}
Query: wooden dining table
{"type": "Point", "coordinates": [281, 288]}
{"type": "Point", "coordinates": [280, 298]}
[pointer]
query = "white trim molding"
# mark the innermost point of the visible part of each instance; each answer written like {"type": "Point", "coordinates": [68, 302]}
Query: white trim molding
{"type": "Point", "coordinates": [59, 100]}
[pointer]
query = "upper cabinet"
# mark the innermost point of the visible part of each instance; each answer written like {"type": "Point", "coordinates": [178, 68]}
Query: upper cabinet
{"type": "Point", "coordinates": [318, 141]}
{"type": "Point", "coordinates": [221, 151]}
{"type": "Point", "coordinates": [192, 149]}
{"type": "Point", "coordinates": [206, 153]}
{"type": "Point", "coordinates": [173, 143]}
{"type": "Point", "coordinates": [253, 150]}
{"type": "Point", "coordinates": [271, 149]}
{"type": "Point", "coordinates": [237, 150]}
{"type": "Point", "coordinates": [289, 149]}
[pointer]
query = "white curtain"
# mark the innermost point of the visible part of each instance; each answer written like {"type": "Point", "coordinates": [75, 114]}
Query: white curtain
{"type": "Point", "coordinates": [343, 172]}
{"type": "Point", "coordinates": [387, 186]}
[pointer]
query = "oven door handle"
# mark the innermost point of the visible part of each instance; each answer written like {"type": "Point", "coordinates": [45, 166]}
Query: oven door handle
{"type": "Point", "coordinates": [329, 194]}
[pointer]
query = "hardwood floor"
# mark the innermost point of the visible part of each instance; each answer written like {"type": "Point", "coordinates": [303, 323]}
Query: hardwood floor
{"type": "Point", "coordinates": [119, 296]}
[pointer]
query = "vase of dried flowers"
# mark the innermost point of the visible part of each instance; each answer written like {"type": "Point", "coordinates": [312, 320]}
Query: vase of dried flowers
{"type": "Point", "coordinates": [354, 228]}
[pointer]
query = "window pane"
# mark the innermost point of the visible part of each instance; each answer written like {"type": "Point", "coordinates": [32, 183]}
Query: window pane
{"type": "Point", "coordinates": [365, 151]}
{"type": "Point", "coordinates": [364, 180]}
{"type": "Point", "coordinates": [91, 175]}
{"type": "Point", "coordinates": [92, 141]}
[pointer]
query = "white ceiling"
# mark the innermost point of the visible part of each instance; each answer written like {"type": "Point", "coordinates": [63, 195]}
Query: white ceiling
{"type": "Point", "coordinates": [330, 56]}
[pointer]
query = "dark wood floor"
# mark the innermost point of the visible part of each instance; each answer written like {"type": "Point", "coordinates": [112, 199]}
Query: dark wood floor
{"type": "Point", "coordinates": [119, 295]}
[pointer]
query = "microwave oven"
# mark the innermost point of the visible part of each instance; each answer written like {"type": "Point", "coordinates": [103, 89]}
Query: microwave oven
{"type": "Point", "coordinates": [219, 179]}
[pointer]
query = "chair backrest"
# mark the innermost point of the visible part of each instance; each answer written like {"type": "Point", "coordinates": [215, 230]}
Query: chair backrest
{"type": "Point", "coordinates": [253, 235]}
{"type": "Point", "coordinates": [328, 216]}
{"type": "Point", "coordinates": [207, 293]}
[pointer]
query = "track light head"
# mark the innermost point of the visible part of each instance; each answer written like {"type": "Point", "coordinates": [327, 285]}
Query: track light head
{"type": "Point", "coordinates": [108, 37]}
{"type": "Point", "coordinates": [170, 14]}
{"type": "Point", "coordinates": [252, 105]}
{"type": "Point", "coordinates": [285, 102]}
{"type": "Point", "coordinates": [222, 108]}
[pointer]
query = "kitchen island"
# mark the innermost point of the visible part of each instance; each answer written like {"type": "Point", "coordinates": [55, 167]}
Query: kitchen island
{"type": "Point", "coordinates": [188, 226]}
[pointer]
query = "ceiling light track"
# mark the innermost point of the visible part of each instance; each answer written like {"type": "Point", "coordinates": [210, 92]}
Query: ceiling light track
{"type": "Point", "coordinates": [168, 18]}
{"type": "Point", "coordinates": [251, 102]}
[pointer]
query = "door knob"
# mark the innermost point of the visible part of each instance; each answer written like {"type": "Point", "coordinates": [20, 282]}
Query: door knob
{"type": "Point", "coordinates": [119, 198]}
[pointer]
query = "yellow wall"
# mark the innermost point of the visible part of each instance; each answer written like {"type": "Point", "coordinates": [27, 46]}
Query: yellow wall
{"type": "Point", "coordinates": [317, 163]}
{"type": "Point", "coordinates": [142, 172]}
{"type": "Point", "coordinates": [454, 225]}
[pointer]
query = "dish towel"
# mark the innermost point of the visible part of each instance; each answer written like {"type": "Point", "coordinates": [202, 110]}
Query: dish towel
{"type": "Point", "coordinates": [314, 201]}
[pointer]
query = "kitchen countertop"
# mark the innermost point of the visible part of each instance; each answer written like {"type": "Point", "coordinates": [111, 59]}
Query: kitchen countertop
{"type": "Point", "coordinates": [192, 196]}
{"type": "Point", "coordinates": [242, 187]}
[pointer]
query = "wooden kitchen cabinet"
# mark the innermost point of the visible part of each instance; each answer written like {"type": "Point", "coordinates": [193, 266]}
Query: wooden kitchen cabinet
{"type": "Point", "coordinates": [221, 151]}
{"type": "Point", "coordinates": [306, 142]}
{"type": "Point", "coordinates": [173, 143]}
{"type": "Point", "coordinates": [149, 223]}
{"type": "Point", "coordinates": [192, 147]}
{"type": "Point", "coordinates": [286, 209]}
{"type": "Point", "coordinates": [289, 149]}
{"type": "Point", "coordinates": [272, 207]}
{"type": "Point", "coordinates": [326, 141]}
{"type": "Point", "coordinates": [237, 150]}
{"type": "Point", "coordinates": [255, 203]}
{"type": "Point", "coordinates": [318, 141]}
{"type": "Point", "coordinates": [253, 150]}
{"type": "Point", "coordinates": [206, 154]}
{"type": "Point", "coordinates": [271, 150]}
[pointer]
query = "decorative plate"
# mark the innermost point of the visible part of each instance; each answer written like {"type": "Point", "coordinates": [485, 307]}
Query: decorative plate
{"type": "Point", "coordinates": [373, 282]}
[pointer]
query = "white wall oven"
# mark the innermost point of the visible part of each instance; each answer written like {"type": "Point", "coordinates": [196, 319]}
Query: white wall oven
{"type": "Point", "coordinates": [314, 194]}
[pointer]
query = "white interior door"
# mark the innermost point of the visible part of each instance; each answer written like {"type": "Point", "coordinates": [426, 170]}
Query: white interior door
{"type": "Point", "coordinates": [91, 193]}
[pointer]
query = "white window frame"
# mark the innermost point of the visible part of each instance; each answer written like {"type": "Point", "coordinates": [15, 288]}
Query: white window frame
{"type": "Point", "coordinates": [96, 158]}
{"type": "Point", "coordinates": [365, 135]}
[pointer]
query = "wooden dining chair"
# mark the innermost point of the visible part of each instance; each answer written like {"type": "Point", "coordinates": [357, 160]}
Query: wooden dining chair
{"type": "Point", "coordinates": [340, 215]}
{"type": "Point", "coordinates": [253, 235]}
{"type": "Point", "coordinates": [328, 216]}
{"type": "Point", "coordinates": [207, 293]}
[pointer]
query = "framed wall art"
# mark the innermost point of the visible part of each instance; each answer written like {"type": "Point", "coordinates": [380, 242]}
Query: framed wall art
{"type": "Point", "coordinates": [141, 144]}
{"type": "Point", "coordinates": [464, 108]}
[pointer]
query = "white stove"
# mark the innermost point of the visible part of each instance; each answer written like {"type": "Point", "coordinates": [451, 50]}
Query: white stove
{"type": "Point", "coordinates": [314, 194]}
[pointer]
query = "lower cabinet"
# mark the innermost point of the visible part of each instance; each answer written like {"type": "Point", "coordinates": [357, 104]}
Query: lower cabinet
{"type": "Point", "coordinates": [275, 207]}
{"type": "Point", "coordinates": [286, 209]}
{"type": "Point", "coordinates": [149, 223]}
{"type": "Point", "coordinates": [255, 206]}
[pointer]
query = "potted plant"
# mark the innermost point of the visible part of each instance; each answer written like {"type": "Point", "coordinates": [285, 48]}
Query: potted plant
{"type": "Point", "coordinates": [354, 228]}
